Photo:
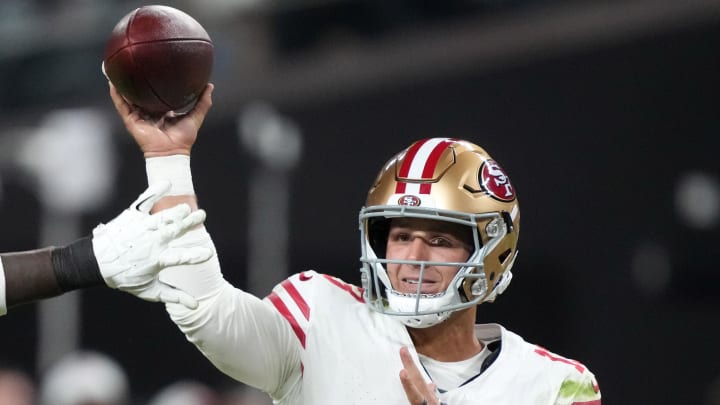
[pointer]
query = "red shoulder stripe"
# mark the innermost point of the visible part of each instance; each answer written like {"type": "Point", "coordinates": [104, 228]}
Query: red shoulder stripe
{"type": "Point", "coordinates": [554, 357]}
{"type": "Point", "coordinates": [299, 300]}
{"type": "Point", "coordinates": [351, 289]}
{"type": "Point", "coordinates": [285, 312]}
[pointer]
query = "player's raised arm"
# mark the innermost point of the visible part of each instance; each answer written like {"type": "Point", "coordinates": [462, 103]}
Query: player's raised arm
{"type": "Point", "coordinates": [240, 334]}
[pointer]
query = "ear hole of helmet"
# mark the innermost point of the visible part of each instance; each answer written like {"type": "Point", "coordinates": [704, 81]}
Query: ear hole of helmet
{"type": "Point", "coordinates": [508, 221]}
{"type": "Point", "coordinates": [503, 256]}
{"type": "Point", "coordinates": [378, 230]}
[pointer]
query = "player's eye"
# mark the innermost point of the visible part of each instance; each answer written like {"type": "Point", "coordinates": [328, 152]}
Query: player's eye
{"type": "Point", "coordinates": [441, 242]}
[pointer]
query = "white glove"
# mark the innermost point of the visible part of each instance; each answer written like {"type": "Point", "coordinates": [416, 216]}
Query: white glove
{"type": "Point", "coordinates": [133, 248]}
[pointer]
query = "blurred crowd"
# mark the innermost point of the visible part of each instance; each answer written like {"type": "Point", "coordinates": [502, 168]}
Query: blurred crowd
{"type": "Point", "coordinates": [93, 378]}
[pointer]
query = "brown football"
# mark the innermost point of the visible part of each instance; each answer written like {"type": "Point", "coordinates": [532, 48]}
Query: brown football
{"type": "Point", "coordinates": [159, 58]}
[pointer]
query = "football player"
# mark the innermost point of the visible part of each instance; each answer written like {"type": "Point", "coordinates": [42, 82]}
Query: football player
{"type": "Point", "coordinates": [439, 233]}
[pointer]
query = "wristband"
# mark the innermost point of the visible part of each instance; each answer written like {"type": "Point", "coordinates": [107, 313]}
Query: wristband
{"type": "Point", "coordinates": [175, 169]}
{"type": "Point", "coordinates": [75, 266]}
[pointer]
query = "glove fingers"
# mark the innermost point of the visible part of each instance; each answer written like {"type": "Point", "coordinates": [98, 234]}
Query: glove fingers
{"type": "Point", "coordinates": [181, 221]}
{"type": "Point", "coordinates": [170, 221]}
{"type": "Point", "coordinates": [187, 255]}
{"type": "Point", "coordinates": [159, 291]}
{"type": "Point", "coordinates": [174, 214]}
{"type": "Point", "coordinates": [150, 196]}
{"type": "Point", "coordinates": [175, 296]}
{"type": "Point", "coordinates": [194, 219]}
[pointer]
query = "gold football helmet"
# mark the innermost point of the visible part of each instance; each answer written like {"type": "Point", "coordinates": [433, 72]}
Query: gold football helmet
{"type": "Point", "coordinates": [447, 180]}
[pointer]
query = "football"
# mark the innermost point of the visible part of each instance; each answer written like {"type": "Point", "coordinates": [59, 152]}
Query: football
{"type": "Point", "coordinates": [159, 58]}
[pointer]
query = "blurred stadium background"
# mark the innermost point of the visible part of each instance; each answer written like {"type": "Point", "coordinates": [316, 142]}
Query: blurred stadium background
{"type": "Point", "coordinates": [604, 113]}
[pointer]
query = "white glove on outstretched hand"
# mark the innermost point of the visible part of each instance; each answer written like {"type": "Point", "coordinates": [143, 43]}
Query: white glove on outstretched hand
{"type": "Point", "coordinates": [133, 248]}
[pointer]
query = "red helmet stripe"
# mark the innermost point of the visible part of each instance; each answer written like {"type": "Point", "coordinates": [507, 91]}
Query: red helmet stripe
{"type": "Point", "coordinates": [420, 163]}
{"type": "Point", "coordinates": [407, 163]}
{"type": "Point", "coordinates": [431, 163]}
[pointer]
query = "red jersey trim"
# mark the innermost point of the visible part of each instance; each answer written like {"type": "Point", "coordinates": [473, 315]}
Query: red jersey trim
{"type": "Point", "coordinates": [297, 298]}
{"type": "Point", "coordinates": [354, 291]}
{"type": "Point", "coordinates": [285, 312]}
{"type": "Point", "coordinates": [554, 357]}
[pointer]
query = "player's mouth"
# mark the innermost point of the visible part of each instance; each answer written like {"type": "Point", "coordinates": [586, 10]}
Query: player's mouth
{"type": "Point", "coordinates": [410, 285]}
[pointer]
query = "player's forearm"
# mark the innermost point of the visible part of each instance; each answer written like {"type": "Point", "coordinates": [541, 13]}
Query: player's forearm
{"type": "Point", "coordinates": [29, 276]}
{"type": "Point", "coordinates": [36, 274]}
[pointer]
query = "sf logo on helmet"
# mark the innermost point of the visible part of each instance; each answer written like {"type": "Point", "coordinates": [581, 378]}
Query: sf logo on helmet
{"type": "Point", "coordinates": [409, 200]}
{"type": "Point", "coordinates": [495, 182]}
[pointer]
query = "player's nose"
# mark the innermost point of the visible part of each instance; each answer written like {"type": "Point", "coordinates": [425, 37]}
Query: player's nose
{"type": "Point", "coordinates": [418, 249]}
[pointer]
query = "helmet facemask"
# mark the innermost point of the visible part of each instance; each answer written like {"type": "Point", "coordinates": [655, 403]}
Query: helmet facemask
{"type": "Point", "coordinates": [468, 288]}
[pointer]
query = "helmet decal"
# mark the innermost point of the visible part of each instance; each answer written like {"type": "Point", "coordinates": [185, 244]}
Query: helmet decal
{"type": "Point", "coordinates": [419, 164]}
{"type": "Point", "coordinates": [409, 200]}
{"type": "Point", "coordinates": [495, 182]}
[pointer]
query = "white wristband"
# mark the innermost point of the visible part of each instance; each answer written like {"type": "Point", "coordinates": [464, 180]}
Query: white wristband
{"type": "Point", "coordinates": [175, 169]}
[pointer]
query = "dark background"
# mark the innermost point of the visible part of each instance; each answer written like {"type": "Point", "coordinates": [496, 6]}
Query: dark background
{"type": "Point", "coordinates": [595, 109]}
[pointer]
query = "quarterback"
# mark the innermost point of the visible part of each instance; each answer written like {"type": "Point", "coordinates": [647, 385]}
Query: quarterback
{"type": "Point", "coordinates": [439, 233]}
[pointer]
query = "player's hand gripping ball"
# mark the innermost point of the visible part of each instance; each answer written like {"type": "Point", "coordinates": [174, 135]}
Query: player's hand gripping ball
{"type": "Point", "coordinates": [159, 59]}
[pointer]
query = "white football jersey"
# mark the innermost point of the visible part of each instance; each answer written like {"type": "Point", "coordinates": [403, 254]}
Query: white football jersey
{"type": "Point", "coordinates": [313, 341]}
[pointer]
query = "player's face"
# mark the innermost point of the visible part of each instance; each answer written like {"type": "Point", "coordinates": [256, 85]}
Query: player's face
{"type": "Point", "coordinates": [427, 240]}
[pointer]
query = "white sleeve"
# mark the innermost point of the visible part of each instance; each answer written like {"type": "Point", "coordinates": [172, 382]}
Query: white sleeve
{"type": "Point", "coordinates": [3, 304]}
{"type": "Point", "coordinates": [244, 337]}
